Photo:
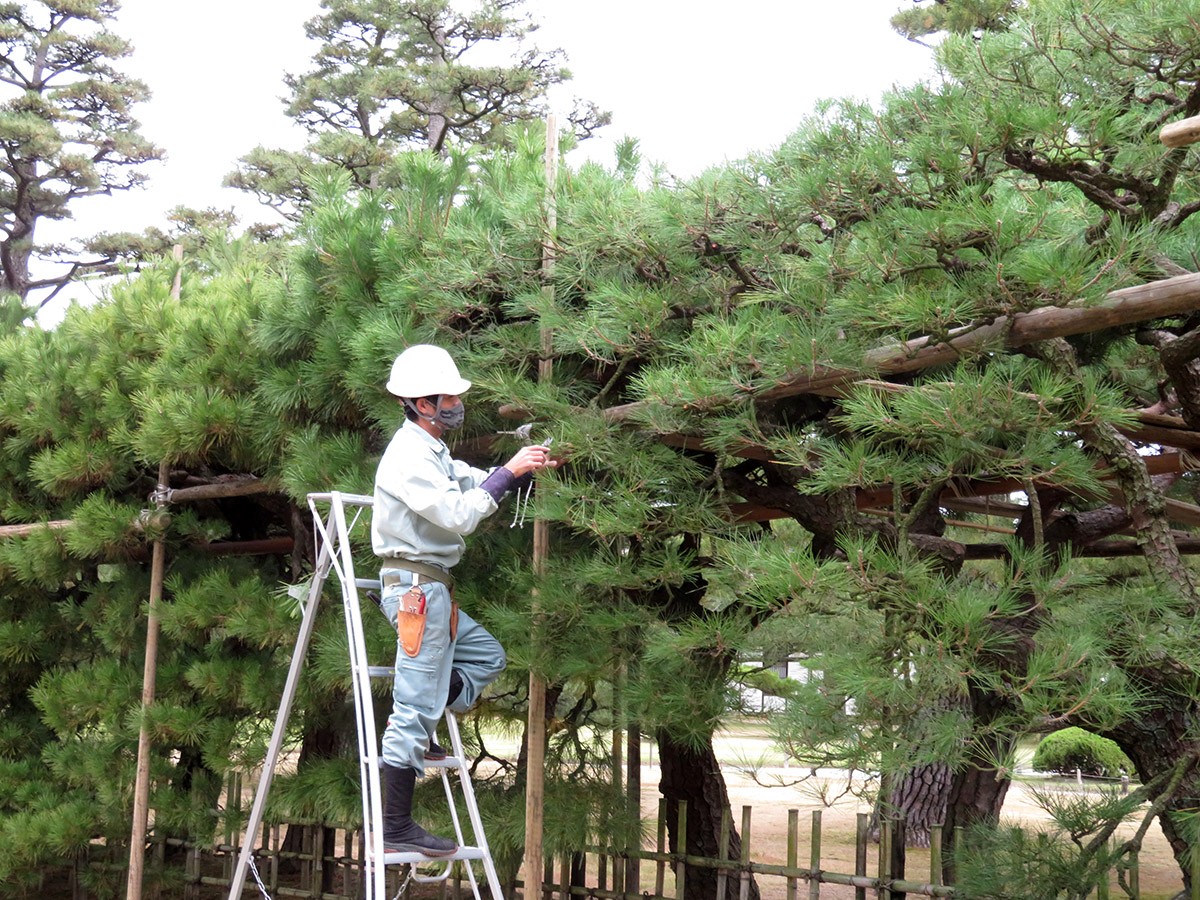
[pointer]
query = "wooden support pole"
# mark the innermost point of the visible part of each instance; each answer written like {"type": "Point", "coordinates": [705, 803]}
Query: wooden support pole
{"type": "Point", "coordinates": [535, 728]}
{"type": "Point", "coordinates": [1181, 133]}
{"type": "Point", "coordinates": [793, 850]}
{"type": "Point", "coordinates": [814, 857]}
{"type": "Point", "coordinates": [744, 876]}
{"type": "Point", "coordinates": [141, 791]}
{"type": "Point", "coordinates": [7, 531]}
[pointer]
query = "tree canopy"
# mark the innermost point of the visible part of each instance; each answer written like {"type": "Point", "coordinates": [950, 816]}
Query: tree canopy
{"type": "Point", "coordinates": [393, 76]}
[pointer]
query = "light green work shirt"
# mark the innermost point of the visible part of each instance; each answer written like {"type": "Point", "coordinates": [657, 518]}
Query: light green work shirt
{"type": "Point", "coordinates": [425, 500]}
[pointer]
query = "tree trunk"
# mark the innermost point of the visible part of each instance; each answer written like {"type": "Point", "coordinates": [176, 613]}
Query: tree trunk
{"type": "Point", "coordinates": [1161, 736]}
{"type": "Point", "coordinates": [978, 789]}
{"type": "Point", "coordinates": [439, 121]}
{"type": "Point", "coordinates": [695, 776]}
{"type": "Point", "coordinates": [919, 798]}
{"type": "Point", "coordinates": [16, 248]}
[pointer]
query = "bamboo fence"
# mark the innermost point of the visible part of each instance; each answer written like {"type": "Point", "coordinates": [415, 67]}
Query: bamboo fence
{"type": "Point", "coordinates": [330, 866]}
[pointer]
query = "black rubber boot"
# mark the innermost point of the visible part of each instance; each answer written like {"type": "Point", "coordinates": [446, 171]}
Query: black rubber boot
{"type": "Point", "coordinates": [400, 833]}
{"type": "Point", "coordinates": [456, 686]}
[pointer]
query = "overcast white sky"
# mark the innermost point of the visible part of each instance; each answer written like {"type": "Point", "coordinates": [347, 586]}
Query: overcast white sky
{"type": "Point", "coordinates": [696, 82]}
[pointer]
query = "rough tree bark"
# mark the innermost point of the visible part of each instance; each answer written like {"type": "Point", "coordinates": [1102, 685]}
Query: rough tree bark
{"type": "Point", "coordinates": [920, 796]}
{"type": "Point", "coordinates": [695, 776]}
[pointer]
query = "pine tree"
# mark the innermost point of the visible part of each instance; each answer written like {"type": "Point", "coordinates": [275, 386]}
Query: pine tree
{"type": "Point", "coordinates": [86, 410]}
{"type": "Point", "coordinates": [67, 129]}
{"type": "Point", "coordinates": [927, 17]}
{"type": "Point", "coordinates": [756, 465]}
{"type": "Point", "coordinates": [395, 76]}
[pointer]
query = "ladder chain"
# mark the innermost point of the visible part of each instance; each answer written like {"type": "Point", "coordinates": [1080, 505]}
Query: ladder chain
{"type": "Point", "coordinates": [412, 870]}
{"type": "Point", "coordinates": [262, 888]}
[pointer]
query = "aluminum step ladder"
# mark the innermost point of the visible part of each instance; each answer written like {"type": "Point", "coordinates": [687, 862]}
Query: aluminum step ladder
{"type": "Point", "coordinates": [335, 516]}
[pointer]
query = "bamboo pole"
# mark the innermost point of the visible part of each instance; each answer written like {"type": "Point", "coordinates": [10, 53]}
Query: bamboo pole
{"type": "Point", "coordinates": [814, 857]}
{"type": "Point", "coordinates": [883, 868]}
{"type": "Point", "coordinates": [860, 853]}
{"type": "Point", "coordinates": [633, 793]}
{"type": "Point", "coordinates": [535, 729]}
{"type": "Point", "coordinates": [793, 850]}
{"type": "Point", "coordinates": [617, 754]}
{"type": "Point", "coordinates": [744, 876]}
{"type": "Point", "coordinates": [935, 854]}
{"type": "Point", "coordinates": [722, 851]}
{"type": "Point", "coordinates": [239, 487]}
{"type": "Point", "coordinates": [141, 792]}
{"type": "Point", "coordinates": [661, 843]}
{"type": "Point", "coordinates": [681, 848]}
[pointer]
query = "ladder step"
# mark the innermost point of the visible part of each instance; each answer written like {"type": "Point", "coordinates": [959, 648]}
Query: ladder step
{"type": "Point", "coordinates": [381, 671]}
{"type": "Point", "coordinates": [450, 762]}
{"type": "Point", "coordinates": [399, 859]}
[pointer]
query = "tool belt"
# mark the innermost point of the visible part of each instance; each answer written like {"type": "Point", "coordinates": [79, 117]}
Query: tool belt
{"type": "Point", "coordinates": [410, 614]}
{"type": "Point", "coordinates": [426, 571]}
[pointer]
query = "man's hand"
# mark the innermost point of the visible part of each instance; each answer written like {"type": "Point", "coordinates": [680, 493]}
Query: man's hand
{"type": "Point", "coordinates": [530, 459]}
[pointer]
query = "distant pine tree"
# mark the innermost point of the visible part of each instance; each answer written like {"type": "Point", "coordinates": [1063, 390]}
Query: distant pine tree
{"type": "Point", "coordinates": [390, 77]}
{"type": "Point", "coordinates": [68, 132]}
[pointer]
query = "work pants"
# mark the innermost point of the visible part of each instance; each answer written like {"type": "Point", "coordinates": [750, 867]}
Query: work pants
{"type": "Point", "coordinates": [422, 681]}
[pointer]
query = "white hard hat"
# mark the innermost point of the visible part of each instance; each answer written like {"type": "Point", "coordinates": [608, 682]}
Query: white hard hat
{"type": "Point", "coordinates": [424, 370]}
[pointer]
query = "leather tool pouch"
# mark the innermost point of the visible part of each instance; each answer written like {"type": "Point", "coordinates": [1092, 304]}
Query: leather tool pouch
{"type": "Point", "coordinates": [410, 620]}
{"type": "Point", "coordinates": [453, 618]}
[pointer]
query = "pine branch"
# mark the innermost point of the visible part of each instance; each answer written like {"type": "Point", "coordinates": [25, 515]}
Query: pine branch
{"type": "Point", "coordinates": [1180, 357]}
{"type": "Point", "coordinates": [1155, 300]}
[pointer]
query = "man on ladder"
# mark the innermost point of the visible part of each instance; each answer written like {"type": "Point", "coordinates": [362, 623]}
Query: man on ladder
{"type": "Point", "coordinates": [425, 503]}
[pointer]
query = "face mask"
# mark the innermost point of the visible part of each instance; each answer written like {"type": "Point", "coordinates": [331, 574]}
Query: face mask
{"type": "Point", "coordinates": [451, 418]}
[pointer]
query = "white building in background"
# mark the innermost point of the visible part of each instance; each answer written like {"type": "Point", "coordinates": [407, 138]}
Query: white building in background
{"type": "Point", "coordinates": [797, 668]}
{"type": "Point", "coordinates": [755, 701]}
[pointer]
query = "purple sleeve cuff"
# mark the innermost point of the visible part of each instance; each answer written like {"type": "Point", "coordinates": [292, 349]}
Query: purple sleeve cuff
{"type": "Point", "coordinates": [498, 483]}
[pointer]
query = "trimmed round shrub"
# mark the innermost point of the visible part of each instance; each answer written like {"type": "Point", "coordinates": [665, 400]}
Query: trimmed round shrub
{"type": "Point", "coordinates": [1073, 748]}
